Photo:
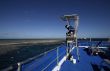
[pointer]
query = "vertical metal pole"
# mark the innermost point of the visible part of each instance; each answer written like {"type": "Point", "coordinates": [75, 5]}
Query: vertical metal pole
{"type": "Point", "coordinates": [57, 56]}
{"type": "Point", "coordinates": [90, 42]}
{"type": "Point", "coordinates": [68, 21]}
{"type": "Point", "coordinates": [76, 25]}
{"type": "Point", "coordinates": [90, 39]}
{"type": "Point", "coordinates": [66, 47]}
{"type": "Point", "coordinates": [19, 67]}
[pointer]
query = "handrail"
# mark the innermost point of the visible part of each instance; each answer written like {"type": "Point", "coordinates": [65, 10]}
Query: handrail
{"type": "Point", "coordinates": [19, 64]}
{"type": "Point", "coordinates": [52, 61]}
{"type": "Point", "coordinates": [30, 59]}
{"type": "Point", "coordinates": [23, 62]}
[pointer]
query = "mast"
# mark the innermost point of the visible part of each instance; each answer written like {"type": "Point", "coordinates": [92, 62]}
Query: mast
{"type": "Point", "coordinates": [72, 29]}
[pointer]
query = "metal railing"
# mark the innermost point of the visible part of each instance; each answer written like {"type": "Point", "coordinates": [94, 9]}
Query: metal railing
{"type": "Point", "coordinates": [56, 60]}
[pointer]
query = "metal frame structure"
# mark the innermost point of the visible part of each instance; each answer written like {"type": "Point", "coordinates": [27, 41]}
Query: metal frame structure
{"type": "Point", "coordinates": [72, 38]}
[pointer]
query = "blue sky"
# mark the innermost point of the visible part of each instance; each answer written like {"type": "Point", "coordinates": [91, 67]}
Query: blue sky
{"type": "Point", "coordinates": [41, 18]}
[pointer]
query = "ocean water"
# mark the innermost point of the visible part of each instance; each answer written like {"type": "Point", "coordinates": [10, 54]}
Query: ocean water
{"type": "Point", "coordinates": [30, 50]}
{"type": "Point", "coordinates": [24, 52]}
